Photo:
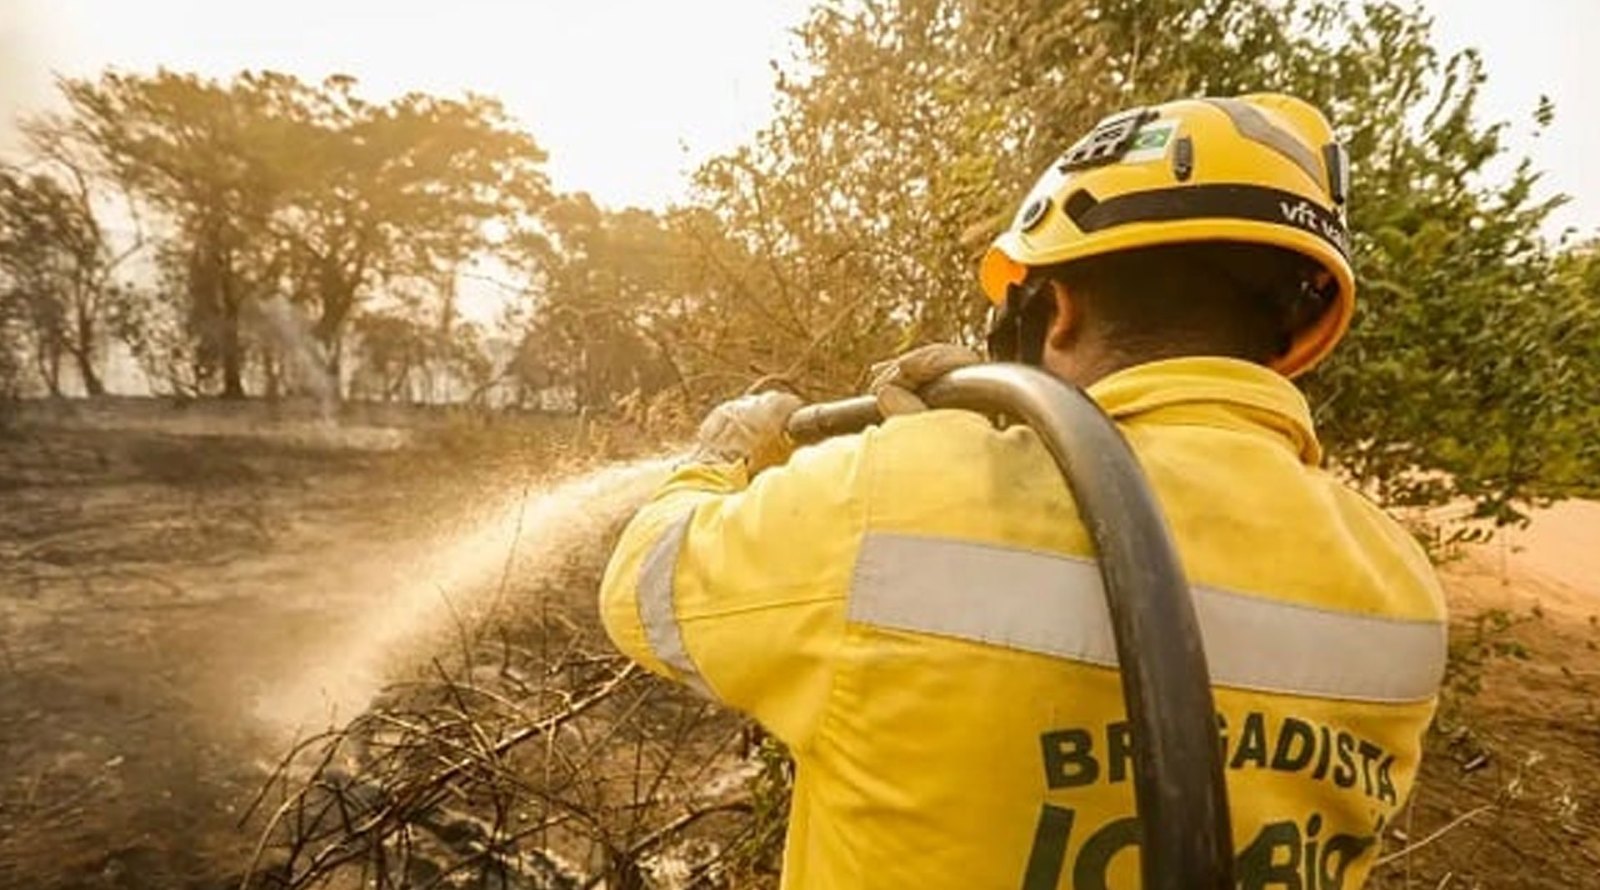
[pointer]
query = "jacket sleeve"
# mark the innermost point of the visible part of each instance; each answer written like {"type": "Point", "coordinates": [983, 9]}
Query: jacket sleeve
{"type": "Point", "coordinates": [738, 589]}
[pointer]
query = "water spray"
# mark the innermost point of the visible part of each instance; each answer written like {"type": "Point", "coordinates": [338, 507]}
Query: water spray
{"type": "Point", "coordinates": [525, 535]}
{"type": "Point", "coordinates": [1179, 790]}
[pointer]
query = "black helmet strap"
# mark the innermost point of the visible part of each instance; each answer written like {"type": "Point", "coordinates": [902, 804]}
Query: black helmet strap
{"type": "Point", "coordinates": [1018, 331]}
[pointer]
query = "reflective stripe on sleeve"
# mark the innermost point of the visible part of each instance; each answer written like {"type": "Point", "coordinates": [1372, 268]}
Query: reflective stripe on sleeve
{"type": "Point", "coordinates": [1055, 605]}
{"type": "Point", "coordinates": [657, 605]}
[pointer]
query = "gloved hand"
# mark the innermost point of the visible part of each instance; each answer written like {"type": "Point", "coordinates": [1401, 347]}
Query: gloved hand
{"type": "Point", "coordinates": [895, 382]}
{"type": "Point", "coordinates": [749, 428]}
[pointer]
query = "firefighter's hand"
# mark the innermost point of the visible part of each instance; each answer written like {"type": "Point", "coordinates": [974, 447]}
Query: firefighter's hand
{"type": "Point", "coordinates": [895, 382]}
{"type": "Point", "coordinates": [750, 429]}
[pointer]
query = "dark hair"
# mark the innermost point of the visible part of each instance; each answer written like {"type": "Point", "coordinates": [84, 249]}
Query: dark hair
{"type": "Point", "coordinates": [1203, 298]}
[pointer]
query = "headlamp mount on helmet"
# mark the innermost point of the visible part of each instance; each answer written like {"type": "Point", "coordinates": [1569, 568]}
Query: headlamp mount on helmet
{"type": "Point", "coordinates": [1108, 141]}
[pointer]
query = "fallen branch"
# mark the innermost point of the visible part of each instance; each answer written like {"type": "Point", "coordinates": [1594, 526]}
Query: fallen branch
{"type": "Point", "coordinates": [1455, 823]}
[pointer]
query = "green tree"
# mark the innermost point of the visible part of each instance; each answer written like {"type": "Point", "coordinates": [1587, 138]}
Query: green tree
{"type": "Point", "coordinates": [908, 129]}
{"type": "Point", "coordinates": [1578, 277]}
{"type": "Point", "coordinates": [12, 345]}
{"type": "Point", "coordinates": [199, 154]}
{"type": "Point", "coordinates": [1464, 375]}
{"type": "Point", "coordinates": [270, 186]}
{"type": "Point", "coordinates": [417, 348]}
{"type": "Point", "coordinates": [603, 285]}
{"type": "Point", "coordinates": [412, 188]}
{"type": "Point", "coordinates": [394, 348]}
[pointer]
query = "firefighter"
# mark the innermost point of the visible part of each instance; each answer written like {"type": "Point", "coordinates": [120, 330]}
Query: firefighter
{"type": "Point", "coordinates": [915, 611]}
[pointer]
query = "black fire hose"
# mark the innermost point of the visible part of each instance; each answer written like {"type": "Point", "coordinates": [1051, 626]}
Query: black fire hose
{"type": "Point", "coordinates": [1178, 784]}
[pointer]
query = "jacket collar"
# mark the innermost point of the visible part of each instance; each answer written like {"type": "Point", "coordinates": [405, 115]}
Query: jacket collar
{"type": "Point", "coordinates": [1212, 391]}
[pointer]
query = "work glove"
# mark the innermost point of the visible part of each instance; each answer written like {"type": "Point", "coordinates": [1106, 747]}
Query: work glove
{"type": "Point", "coordinates": [895, 382]}
{"type": "Point", "coordinates": [750, 429]}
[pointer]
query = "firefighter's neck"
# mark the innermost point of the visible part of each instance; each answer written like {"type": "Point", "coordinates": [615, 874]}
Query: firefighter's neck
{"type": "Point", "coordinates": [1073, 352]}
{"type": "Point", "coordinates": [1082, 353]}
{"type": "Point", "coordinates": [1084, 365]}
{"type": "Point", "coordinates": [1084, 359]}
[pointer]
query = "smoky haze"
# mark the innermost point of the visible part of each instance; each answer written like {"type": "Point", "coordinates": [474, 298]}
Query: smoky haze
{"type": "Point", "coordinates": [24, 73]}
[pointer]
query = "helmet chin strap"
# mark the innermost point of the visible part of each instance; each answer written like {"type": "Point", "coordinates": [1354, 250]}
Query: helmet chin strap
{"type": "Point", "coordinates": [1019, 328]}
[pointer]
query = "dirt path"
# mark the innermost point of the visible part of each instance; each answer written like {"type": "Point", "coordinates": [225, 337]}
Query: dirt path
{"type": "Point", "coordinates": [1512, 775]}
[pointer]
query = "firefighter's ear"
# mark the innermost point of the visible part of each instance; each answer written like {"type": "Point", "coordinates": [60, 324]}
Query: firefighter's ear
{"type": "Point", "coordinates": [1066, 320]}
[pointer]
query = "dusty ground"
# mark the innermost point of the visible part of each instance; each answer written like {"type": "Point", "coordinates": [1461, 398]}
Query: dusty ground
{"type": "Point", "coordinates": [1515, 768]}
{"type": "Point", "coordinates": [162, 572]}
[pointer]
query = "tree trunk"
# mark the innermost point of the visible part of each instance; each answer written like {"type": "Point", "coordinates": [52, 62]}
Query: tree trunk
{"type": "Point", "coordinates": [232, 348]}
{"type": "Point", "coordinates": [232, 371]}
{"type": "Point", "coordinates": [91, 381]}
{"type": "Point", "coordinates": [336, 369]}
{"type": "Point", "coordinates": [48, 358]}
{"type": "Point", "coordinates": [338, 298]}
{"type": "Point", "coordinates": [84, 354]}
{"type": "Point", "coordinates": [270, 364]}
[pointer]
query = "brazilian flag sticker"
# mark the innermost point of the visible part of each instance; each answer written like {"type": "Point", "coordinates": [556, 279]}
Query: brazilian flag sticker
{"type": "Point", "coordinates": [1150, 143]}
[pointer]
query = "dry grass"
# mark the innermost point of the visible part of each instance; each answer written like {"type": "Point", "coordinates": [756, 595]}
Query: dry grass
{"type": "Point", "coordinates": [532, 757]}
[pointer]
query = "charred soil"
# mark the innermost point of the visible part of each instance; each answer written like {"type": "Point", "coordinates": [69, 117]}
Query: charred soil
{"type": "Point", "coordinates": [165, 571]}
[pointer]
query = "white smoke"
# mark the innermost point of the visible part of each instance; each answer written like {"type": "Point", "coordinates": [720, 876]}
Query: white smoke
{"type": "Point", "coordinates": [25, 79]}
{"type": "Point", "coordinates": [303, 353]}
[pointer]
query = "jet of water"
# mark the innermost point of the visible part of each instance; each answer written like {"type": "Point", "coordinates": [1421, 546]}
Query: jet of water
{"type": "Point", "coordinates": [529, 533]}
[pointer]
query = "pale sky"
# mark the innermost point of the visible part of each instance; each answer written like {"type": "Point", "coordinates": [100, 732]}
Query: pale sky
{"type": "Point", "coordinates": [629, 95]}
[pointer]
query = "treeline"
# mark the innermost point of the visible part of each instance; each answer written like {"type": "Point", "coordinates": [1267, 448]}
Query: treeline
{"type": "Point", "coordinates": [246, 207]}
{"type": "Point", "coordinates": [270, 211]}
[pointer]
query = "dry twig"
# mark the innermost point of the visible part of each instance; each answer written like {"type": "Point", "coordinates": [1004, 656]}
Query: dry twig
{"type": "Point", "coordinates": [432, 787]}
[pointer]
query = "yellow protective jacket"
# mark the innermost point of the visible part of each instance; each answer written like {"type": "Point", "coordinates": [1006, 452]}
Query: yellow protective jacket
{"type": "Point", "coordinates": [915, 613]}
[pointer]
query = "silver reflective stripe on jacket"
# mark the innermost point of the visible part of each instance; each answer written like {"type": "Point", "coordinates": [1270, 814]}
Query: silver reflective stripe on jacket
{"type": "Point", "coordinates": [658, 607]}
{"type": "Point", "coordinates": [1055, 605]}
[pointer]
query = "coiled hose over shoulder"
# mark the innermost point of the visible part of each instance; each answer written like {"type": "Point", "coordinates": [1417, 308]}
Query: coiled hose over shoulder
{"type": "Point", "coordinates": [1178, 777]}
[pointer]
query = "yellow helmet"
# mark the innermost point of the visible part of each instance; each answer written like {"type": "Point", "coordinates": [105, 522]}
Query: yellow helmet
{"type": "Point", "coordinates": [1263, 168]}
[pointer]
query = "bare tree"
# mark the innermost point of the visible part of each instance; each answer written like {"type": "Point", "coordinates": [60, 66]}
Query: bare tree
{"type": "Point", "coordinates": [57, 262]}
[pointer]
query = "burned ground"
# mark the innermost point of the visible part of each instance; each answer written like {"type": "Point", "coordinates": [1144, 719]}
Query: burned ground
{"type": "Point", "coordinates": [170, 579]}
{"type": "Point", "coordinates": [162, 574]}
